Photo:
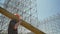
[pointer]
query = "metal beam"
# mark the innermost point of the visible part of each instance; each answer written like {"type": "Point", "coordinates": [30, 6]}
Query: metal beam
{"type": "Point", "coordinates": [23, 23]}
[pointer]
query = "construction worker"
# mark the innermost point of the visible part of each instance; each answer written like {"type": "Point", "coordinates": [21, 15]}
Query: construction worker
{"type": "Point", "coordinates": [13, 25]}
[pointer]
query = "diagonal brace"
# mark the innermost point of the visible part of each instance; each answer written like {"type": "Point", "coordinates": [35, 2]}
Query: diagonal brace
{"type": "Point", "coordinates": [23, 23]}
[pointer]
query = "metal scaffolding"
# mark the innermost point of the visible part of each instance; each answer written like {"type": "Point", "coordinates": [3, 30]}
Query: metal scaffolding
{"type": "Point", "coordinates": [51, 25]}
{"type": "Point", "coordinates": [26, 8]}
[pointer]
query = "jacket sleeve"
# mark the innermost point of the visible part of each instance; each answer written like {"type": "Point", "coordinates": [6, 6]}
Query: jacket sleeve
{"type": "Point", "coordinates": [12, 23]}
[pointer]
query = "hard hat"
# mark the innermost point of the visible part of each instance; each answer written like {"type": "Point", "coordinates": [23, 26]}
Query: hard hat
{"type": "Point", "coordinates": [17, 15]}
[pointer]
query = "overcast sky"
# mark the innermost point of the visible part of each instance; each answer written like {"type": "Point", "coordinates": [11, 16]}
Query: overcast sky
{"type": "Point", "coordinates": [47, 8]}
{"type": "Point", "coordinates": [2, 1]}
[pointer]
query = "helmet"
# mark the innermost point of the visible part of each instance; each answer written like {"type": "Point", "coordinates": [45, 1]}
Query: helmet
{"type": "Point", "coordinates": [17, 15]}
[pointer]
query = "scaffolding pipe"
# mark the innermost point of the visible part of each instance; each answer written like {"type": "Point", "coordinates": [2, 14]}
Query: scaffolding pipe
{"type": "Point", "coordinates": [23, 23]}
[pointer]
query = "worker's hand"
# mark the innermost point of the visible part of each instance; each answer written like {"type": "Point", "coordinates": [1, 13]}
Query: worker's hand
{"type": "Point", "coordinates": [17, 24]}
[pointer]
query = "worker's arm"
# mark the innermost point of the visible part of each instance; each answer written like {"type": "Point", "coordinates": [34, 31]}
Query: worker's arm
{"type": "Point", "coordinates": [17, 24]}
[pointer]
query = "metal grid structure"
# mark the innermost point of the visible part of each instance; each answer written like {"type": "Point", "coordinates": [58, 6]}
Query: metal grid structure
{"type": "Point", "coordinates": [26, 8]}
{"type": "Point", "coordinates": [51, 25]}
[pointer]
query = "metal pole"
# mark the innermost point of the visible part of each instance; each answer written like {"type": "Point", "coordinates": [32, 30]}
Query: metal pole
{"type": "Point", "coordinates": [23, 23]}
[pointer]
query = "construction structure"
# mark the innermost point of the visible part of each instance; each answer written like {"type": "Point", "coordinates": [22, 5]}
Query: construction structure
{"type": "Point", "coordinates": [27, 9]}
{"type": "Point", "coordinates": [51, 25]}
